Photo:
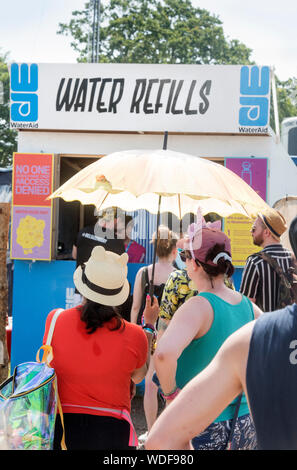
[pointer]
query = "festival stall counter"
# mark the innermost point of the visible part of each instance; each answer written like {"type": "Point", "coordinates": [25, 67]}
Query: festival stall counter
{"type": "Point", "coordinates": [69, 115]}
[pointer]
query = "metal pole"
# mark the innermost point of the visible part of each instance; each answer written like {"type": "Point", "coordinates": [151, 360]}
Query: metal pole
{"type": "Point", "coordinates": [93, 31]}
{"type": "Point", "coordinates": [98, 31]}
{"type": "Point", "coordinates": [275, 107]}
{"type": "Point", "coordinates": [151, 288]}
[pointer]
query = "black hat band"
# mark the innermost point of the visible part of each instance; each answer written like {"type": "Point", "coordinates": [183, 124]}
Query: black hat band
{"type": "Point", "coordinates": [269, 226]}
{"type": "Point", "coordinates": [98, 289]}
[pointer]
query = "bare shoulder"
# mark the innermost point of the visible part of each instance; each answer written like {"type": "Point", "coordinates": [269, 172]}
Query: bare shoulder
{"type": "Point", "coordinates": [195, 311]}
{"type": "Point", "coordinates": [195, 304]}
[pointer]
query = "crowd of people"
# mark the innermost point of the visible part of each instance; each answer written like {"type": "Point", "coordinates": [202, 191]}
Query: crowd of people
{"type": "Point", "coordinates": [226, 369]}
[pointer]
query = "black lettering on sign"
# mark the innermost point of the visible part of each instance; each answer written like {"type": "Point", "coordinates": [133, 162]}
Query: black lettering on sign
{"type": "Point", "coordinates": [171, 91]}
{"type": "Point", "coordinates": [148, 107]}
{"type": "Point", "coordinates": [179, 87]}
{"type": "Point", "coordinates": [149, 95]}
{"type": "Point", "coordinates": [114, 98]}
{"type": "Point", "coordinates": [205, 90]}
{"type": "Point", "coordinates": [65, 100]}
{"type": "Point", "coordinates": [140, 82]}
{"type": "Point", "coordinates": [81, 96]}
{"type": "Point", "coordinates": [100, 103]}
{"type": "Point", "coordinates": [188, 103]}
{"type": "Point", "coordinates": [158, 103]}
{"type": "Point", "coordinates": [94, 82]}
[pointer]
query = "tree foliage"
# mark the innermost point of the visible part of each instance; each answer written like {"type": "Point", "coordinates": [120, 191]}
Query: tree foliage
{"type": "Point", "coordinates": [155, 31]}
{"type": "Point", "coordinates": [8, 137]}
{"type": "Point", "coordinates": [286, 92]}
{"type": "Point", "coordinates": [164, 32]}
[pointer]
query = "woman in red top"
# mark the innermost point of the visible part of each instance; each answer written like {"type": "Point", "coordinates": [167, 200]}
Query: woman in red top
{"type": "Point", "coordinates": [96, 354]}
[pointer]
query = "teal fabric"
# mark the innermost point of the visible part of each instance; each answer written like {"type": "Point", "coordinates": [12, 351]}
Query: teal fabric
{"type": "Point", "coordinates": [199, 353]}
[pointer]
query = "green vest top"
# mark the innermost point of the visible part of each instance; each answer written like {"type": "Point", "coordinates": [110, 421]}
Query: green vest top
{"type": "Point", "coordinates": [199, 353]}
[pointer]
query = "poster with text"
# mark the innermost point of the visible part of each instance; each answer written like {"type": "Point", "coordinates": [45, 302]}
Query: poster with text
{"type": "Point", "coordinates": [237, 227]}
{"type": "Point", "coordinates": [32, 183]}
{"type": "Point", "coordinates": [32, 179]}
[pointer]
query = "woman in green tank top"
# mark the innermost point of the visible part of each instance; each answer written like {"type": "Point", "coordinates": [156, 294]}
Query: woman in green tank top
{"type": "Point", "coordinates": [199, 328]}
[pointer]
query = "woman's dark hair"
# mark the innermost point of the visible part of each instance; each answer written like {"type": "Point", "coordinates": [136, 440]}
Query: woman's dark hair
{"type": "Point", "coordinates": [95, 315]}
{"type": "Point", "coordinates": [224, 266]}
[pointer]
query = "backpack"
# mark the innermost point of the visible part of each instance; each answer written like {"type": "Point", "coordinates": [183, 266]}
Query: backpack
{"type": "Point", "coordinates": [28, 403]}
{"type": "Point", "coordinates": [145, 286]}
{"type": "Point", "coordinates": [286, 294]}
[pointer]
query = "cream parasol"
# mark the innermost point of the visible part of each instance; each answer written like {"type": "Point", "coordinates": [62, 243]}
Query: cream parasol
{"type": "Point", "coordinates": [162, 181]}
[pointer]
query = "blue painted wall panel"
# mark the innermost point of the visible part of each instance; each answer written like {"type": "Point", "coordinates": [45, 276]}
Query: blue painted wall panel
{"type": "Point", "coordinates": [40, 287]}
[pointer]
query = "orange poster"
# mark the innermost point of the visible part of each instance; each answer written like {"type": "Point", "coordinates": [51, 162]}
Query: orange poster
{"type": "Point", "coordinates": [32, 179]}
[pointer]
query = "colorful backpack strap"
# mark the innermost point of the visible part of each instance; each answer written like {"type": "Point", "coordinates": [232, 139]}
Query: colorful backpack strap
{"type": "Point", "coordinates": [46, 348]}
{"type": "Point", "coordinates": [47, 358]}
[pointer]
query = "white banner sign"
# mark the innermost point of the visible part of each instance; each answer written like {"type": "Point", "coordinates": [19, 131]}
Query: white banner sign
{"type": "Point", "coordinates": [141, 97]}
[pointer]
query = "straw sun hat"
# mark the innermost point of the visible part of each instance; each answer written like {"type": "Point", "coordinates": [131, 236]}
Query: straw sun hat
{"type": "Point", "coordinates": [103, 278]}
{"type": "Point", "coordinates": [274, 221]}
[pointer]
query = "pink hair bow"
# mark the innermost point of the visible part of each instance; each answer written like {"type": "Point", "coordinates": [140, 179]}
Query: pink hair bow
{"type": "Point", "coordinates": [195, 231]}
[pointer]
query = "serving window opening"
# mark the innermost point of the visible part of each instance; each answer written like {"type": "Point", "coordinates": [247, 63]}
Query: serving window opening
{"type": "Point", "coordinates": [73, 216]}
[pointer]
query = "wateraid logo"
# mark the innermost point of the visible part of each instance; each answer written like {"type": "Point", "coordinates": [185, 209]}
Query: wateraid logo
{"type": "Point", "coordinates": [254, 100]}
{"type": "Point", "coordinates": [24, 99]}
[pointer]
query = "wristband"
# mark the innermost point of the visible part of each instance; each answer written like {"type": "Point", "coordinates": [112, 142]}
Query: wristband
{"type": "Point", "coordinates": [171, 395]}
{"type": "Point", "coordinates": [148, 330]}
{"type": "Point", "coordinates": [149, 325]}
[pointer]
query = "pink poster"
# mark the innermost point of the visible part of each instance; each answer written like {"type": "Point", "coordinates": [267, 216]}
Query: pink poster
{"type": "Point", "coordinates": [252, 170]}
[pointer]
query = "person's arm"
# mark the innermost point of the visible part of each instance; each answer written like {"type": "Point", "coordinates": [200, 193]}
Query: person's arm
{"type": "Point", "coordinates": [257, 310]}
{"type": "Point", "coordinates": [74, 252]}
{"type": "Point", "coordinates": [202, 400]}
{"type": "Point", "coordinates": [137, 296]}
{"type": "Point", "coordinates": [182, 329]}
{"type": "Point", "coordinates": [150, 314]}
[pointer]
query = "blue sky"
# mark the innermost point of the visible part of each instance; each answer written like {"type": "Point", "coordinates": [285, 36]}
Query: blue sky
{"type": "Point", "coordinates": [28, 29]}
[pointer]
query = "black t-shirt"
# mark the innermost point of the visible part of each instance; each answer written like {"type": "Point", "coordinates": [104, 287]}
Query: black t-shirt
{"type": "Point", "coordinates": [271, 379]}
{"type": "Point", "coordinates": [87, 240]}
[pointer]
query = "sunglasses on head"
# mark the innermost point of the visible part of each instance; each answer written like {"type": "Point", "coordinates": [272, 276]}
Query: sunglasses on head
{"type": "Point", "coordinates": [186, 254]}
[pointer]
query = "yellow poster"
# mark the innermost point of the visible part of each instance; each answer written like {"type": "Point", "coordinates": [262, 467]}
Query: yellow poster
{"type": "Point", "coordinates": [237, 228]}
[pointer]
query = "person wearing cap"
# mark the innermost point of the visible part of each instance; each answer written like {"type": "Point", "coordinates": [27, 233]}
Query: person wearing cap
{"type": "Point", "coordinates": [198, 329]}
{"type": "Point", "coordinates": [259, 280]}
{"type": "Point", "coordinates": [96, 354]}
{"type": "Point", "coordinates": [259, 359]}
{"type": "Point", "coordinates": [103, 233]}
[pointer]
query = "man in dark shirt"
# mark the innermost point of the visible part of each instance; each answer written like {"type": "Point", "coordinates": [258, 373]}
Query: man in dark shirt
{"type": "Point", "coordinates": [259, 359]}
{"type": "Point", "coordinates": [103, 233]}
{"type": "Point", "coordinates": [260, 281]}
